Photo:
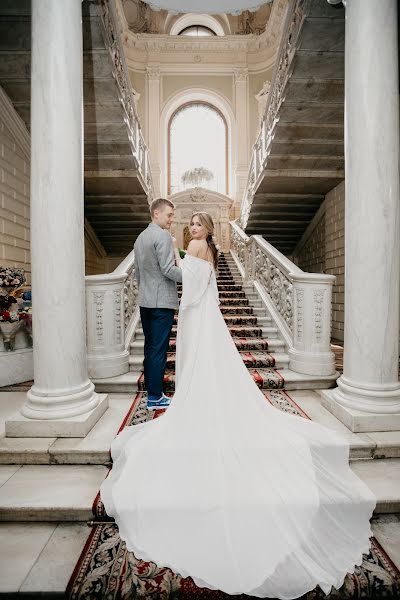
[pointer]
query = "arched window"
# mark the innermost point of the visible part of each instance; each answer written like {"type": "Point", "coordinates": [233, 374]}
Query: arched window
{"type": "Point", "coordinates": [197, 30]}
{"type": "Point", "coordinates": [197, 148]}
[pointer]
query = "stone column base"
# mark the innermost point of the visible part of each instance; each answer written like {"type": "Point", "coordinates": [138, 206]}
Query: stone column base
{"type": "Point", "coordinates": [357, 420]}
{"type": "Point", "coordinates": [312, 363]}
{"type": "Point", "coordinates": [77, 426]}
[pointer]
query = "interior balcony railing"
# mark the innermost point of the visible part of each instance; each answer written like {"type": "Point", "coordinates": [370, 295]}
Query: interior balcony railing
{"type": "Point", "coordinates": [300, 303]}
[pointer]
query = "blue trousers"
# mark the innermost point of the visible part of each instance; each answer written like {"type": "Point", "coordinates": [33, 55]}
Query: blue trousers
{"type": "Point", "coordinates": [157, 324]}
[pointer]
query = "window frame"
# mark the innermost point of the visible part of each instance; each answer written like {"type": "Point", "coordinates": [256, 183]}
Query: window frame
{"type": "Point", "coordinates": [193, 26]}
{"type": "Point", "coordinates": [181, 107]}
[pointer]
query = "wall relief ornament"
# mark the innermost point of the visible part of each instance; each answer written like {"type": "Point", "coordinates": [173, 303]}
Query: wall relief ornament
{"type": "Point", "coordinates": [262, 98]}
{"type": "Point", "coordinates": [198, 195]}
{"type": "Point", "coordinates": [253, 21]}
{"type": "Point", "coordinates": [141, 18]}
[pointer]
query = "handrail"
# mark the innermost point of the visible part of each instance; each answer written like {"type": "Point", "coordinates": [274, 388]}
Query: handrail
{"type": "Point", "coordinates": [299, 302]}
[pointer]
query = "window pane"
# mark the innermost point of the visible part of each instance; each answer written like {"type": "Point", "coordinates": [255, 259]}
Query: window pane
{"type": "Point", "coordinates": [197, 30]}
{"type": "Point", "coordinates": [198, 149]}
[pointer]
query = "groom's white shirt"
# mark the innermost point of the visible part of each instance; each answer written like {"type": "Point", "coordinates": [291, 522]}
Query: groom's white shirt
{"type": "Point", "coordinates": [155, 268]}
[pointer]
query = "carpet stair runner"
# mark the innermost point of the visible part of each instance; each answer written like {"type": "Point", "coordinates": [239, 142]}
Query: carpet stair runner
{"type": "Point", "coordinates": [105, 569]}
{"type": "Point", "coordinates": [252, 333]}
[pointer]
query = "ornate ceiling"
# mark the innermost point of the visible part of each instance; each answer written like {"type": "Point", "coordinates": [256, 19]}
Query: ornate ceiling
{"type": "Point", "coordinates": [142, 18]}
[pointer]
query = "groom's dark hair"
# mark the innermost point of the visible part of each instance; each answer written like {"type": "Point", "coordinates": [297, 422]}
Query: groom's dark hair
{"type": "Point", "coordinates": [159, 203]}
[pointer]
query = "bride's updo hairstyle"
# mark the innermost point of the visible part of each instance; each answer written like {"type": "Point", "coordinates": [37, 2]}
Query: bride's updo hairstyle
{"type": "Point", "coordinates": [208, 224]}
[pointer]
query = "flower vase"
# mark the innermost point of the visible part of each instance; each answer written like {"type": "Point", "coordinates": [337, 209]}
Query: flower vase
{"type": "Point", "coordinates": [9, 331]}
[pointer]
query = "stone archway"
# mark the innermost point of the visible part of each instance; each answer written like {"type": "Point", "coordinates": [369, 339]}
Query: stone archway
{"type": "Point", "coordinates": [196, 199]}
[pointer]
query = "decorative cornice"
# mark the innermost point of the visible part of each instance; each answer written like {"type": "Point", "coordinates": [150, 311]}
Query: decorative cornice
{"type": "Point", "coordinates": [164, 42]}
{"type": "Point", "coordinates": [249, 43]}
{"type": "Point", "coordinates": [14, 123]}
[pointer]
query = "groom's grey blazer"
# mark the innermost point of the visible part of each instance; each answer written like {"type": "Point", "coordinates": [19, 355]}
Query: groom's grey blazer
{"type": "Point", "coordinates": [155, 268]}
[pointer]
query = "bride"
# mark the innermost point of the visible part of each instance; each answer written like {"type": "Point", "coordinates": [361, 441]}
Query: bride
{"type": "Point", "coordinates": [224, 487]}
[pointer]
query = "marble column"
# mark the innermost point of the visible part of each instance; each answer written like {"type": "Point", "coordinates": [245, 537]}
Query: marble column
{"type": "Point", "coordinates": [153, 83]}
{"type": "Point", "coordinates": [242, 128]}
{"type": "Point", "coordinates": [62, 401]}
{"type": "Point", "coordinates": [368, 394]}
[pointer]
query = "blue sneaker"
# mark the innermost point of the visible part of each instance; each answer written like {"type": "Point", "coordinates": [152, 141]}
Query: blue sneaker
{"type": "Point", "coordinates": [162, 402]}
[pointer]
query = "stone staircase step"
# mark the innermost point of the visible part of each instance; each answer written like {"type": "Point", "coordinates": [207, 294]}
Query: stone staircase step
{"type": "Point", "coordinates": [94, 449]}
{"type": "Point", "coordinates": [45, 554]}
{"type": "Point", "coordinates": [281, 360]}
{"type": "Point", "coordinates": [242, 331]}
{"type": "Point", "coordinates": [273, 345]}
{"type": "Point", "coordinates": [244, 319]}
{"type": "Point", "coordinates": [49, 492]}
{"type": "Point", "coordinates": [66, 492]}
{"type": "Point", "coordinates": [43, 557]}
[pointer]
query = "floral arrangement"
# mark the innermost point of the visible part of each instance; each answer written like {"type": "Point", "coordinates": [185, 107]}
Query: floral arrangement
{"type": "Point", "coordinates": [11, 277]}
{"type": "Point", "coordinates": [9, 316]}
{"type": "Point", "coordinates": [182, 253]}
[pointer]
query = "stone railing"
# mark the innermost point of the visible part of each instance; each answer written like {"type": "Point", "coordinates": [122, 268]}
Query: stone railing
{"type": "Point", "coordinates": [299, 302]}
{"type": "Point", "coordinates": [112, 28]}
{"type": "Point", "coordinates": [297, 10]}
{"type": "Point", "coordinates": [111, 315]}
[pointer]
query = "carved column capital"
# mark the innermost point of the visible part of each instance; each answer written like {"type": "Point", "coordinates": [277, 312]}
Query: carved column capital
{"type": "Point", "coordinates": [241, 74]}
{"type": "Point", "coordinates": [153, 73]}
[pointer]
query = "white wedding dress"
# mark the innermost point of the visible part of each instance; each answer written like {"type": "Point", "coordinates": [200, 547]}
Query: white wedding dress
{"type": "Point", "coordinates": [228, 489]}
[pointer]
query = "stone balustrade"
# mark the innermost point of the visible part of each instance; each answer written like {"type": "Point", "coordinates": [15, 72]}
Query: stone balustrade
{"type": "Point", "coordinates": [112, 314]}
{"type": "Point", "coordinates": [299, 302]}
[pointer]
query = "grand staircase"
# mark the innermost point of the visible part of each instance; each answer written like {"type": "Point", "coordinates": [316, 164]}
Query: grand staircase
{"type": "Point", "coordinates": [255, 334]}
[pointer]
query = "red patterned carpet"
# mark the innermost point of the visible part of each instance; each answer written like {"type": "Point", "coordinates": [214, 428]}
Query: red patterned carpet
{"type": "Point", "coordinates": [107, 570]}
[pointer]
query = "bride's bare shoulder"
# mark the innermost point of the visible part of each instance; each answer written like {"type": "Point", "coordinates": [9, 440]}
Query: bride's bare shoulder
{"type": "Point", "coordinates": [197, 247]}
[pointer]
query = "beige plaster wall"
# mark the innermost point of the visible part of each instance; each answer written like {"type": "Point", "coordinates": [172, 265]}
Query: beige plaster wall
{"type": "Point", "coordinates": [222, 84]}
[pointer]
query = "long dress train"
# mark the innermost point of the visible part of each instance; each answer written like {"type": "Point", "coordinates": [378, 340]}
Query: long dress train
{"type": "Point", "coordinates": [228, 489]}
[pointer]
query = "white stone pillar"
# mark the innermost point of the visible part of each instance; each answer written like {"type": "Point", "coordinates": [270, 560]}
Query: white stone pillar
{"type": "Point", "coordinates": [368, 393]}
{"type": "Point", "coordinates": [62, 401]}
{"type": "Point", "coordinates": [242, 126]}
{"type": "Point", "coordinates": [153, 103]}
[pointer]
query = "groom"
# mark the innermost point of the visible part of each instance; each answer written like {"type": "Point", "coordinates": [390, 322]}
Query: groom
{"type": "Point", "coordinates": [156, 274]}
